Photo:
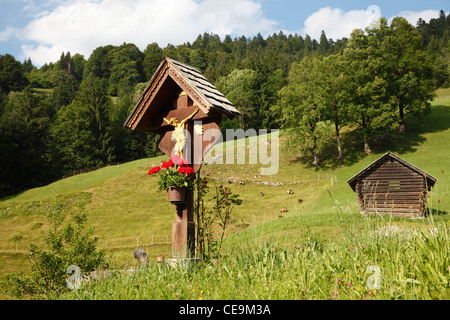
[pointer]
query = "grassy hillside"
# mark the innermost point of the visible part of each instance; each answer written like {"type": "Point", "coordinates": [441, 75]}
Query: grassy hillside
{"type": "Point", "coordinates": [127, 212]}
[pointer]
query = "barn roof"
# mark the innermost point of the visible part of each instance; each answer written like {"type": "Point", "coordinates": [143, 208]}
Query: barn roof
{"type": "Point", "coordinates": [197, 87]}
{"type": "Point", "coordinates": [430, 179]}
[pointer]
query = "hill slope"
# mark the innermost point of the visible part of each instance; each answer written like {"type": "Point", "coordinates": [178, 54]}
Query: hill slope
{"type": "Point", "coordinates": [127, 212]}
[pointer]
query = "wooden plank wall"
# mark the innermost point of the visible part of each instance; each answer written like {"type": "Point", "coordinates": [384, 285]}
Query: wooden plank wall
{"type": "Point", "coordinates": [392, 188]}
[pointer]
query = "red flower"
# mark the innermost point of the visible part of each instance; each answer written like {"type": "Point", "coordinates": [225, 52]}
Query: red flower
{"type": "Point", "coordinates": [186, 170]}
{"type": "Point", "coordinates": [154, 170]}
{"type": "Point", "coordinates": [168, 164]}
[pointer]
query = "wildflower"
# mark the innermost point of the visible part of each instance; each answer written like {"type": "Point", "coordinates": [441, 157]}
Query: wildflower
{"type": "Point", "coordinates": [186, 170]}
{"type": "Point", "coordinates": [167, 165]}
{"type": "Point", "coordinates": [154, 170]}
{"type": "Point", "coordinates": [362, 246]}
{"type": "Point", "coordinates": [335, 294]}
{"type": "Point", "coordinates": [339, 281]}
{"type": "Point", "coordinates": [349, 284]}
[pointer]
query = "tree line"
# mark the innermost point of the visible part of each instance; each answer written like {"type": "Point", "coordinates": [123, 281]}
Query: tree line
{"type": "Point", "coordinates": [69, 115]}
{"type": "Point", "coordinates": [379, 80]}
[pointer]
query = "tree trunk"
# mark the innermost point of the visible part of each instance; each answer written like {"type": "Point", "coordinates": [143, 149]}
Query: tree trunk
{"type": "Point", "coordinates": [339, 157]}
{"type": "Point", "coordinates": [402, 128]}
{"type": "Point", "coordinates": [365, 133]}
{"type": "Point", "coordinates": [241, 122]}
{"type": "Point", "coordinates": [316, 160]}
{"type": "Point", "coordinates": [367, 149]}
{"type": "Point", "coordinates": [316, 156]}
{"type": "Point", "coordinates": [338, 140]}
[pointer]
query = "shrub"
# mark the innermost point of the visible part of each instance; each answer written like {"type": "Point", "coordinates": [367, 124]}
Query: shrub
{"type": "Point", "coordinates": [66, 245]}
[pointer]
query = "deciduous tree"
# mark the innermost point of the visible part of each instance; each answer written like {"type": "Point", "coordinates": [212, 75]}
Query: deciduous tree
{"type": "Point", "coordinates": [302, 107]}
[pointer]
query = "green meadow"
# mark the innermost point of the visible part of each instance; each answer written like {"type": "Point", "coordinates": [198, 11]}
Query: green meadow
{"type": "Point", "coordinates": [310, 243]}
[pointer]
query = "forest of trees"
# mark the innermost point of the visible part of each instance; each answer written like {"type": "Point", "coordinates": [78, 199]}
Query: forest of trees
{"type": "Point", "coordinates": [69, 115]}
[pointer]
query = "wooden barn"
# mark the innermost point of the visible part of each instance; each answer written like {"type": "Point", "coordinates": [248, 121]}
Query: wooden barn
{"type": "Point", "coordinates": [390, 185]}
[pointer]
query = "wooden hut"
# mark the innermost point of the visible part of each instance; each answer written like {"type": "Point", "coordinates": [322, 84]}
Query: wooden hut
{"type": "Point", "coordinates": [390, 185]}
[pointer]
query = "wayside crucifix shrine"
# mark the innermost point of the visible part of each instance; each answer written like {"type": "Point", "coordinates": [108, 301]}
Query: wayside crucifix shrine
{"type": "Point", "coordinates": [182, 107]}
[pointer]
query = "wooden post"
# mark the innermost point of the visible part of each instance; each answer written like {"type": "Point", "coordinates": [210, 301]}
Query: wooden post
{"type": "Point", "coordinates": [183, 229]}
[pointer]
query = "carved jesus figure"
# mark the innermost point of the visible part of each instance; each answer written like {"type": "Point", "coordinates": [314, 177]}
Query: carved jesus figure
{"type": "Point", "coordinates": [178, 133]}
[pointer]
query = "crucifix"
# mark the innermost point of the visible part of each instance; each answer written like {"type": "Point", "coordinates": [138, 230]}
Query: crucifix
{"type": "Point", "coordinates": [181, 105]}
{"type": "Point", "coordinates": [178, 133]}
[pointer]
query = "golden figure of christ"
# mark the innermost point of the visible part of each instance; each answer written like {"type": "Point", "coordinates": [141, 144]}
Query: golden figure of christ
{"type": "Point", "coordinates": [178, 132]}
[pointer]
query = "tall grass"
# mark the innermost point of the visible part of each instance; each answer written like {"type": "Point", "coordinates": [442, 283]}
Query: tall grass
{"type": "Point", "coordinates": [411, 264]}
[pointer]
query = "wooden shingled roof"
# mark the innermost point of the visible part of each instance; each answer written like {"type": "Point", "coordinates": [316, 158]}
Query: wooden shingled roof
{"type": "Point", "coordinates": [187, 78]}
{"type": "Point", "coordinates": [429, 178]}
{"type": "Point", "coordinates": [213, 98]}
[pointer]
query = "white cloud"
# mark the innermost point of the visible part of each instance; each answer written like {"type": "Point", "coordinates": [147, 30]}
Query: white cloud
{"type": "Point", "coordinates": [413, 16]}
{"type": "Point", "coordinates": [337, 23]}
{"type": "Point", "coordinates": [9, 33]}
{"type": "Point", "coordinates": [80, 26]}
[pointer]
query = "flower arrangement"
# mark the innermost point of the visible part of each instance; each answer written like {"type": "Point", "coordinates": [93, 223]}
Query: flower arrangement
{"type": "Point", "coordinates": [174, 173]}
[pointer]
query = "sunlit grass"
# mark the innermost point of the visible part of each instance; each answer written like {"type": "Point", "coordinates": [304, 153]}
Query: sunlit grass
{"type": "Point", "coordinates": [128, 212]}
{"type": "Point", "coordinates": [411, 264]}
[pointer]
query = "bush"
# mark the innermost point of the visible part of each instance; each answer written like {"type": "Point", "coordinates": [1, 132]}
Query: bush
{"type": "Point", "coordinates": [66, 245]}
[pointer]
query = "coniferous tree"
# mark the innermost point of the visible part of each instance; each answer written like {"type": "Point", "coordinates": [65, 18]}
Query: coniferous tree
{"type": "Point", "coordinates": [25, 160]}
{"type": "Point", "coordinates": [324, 45]}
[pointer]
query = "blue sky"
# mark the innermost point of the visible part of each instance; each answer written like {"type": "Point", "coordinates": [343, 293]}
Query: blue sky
{"type": "Point", "coordinates": [42, 30]}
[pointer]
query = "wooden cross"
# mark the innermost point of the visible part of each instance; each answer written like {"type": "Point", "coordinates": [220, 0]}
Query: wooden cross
{"type": "Point", "coordinates": [185, 108]}
{"type": "Point", "coordinates": [185, 114]}
{"type": "Point", "coordinates": [179, 96]}
{"type": "Point", "coordinates": [183, 229]}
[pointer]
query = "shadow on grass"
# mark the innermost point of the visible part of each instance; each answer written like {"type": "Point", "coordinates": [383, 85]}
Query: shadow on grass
{"type": "Point", "coordinates": [436, 212]}
{"type": "Point", "coordinates": [437, 120]}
